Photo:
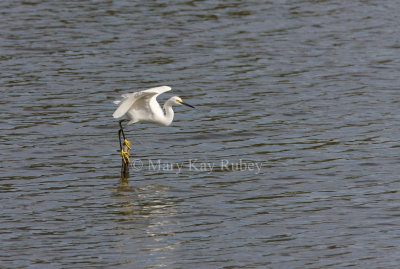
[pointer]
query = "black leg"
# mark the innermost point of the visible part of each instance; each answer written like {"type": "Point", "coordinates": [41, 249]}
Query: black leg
{"type": "Point", "coordinates": [121, 129]}
{"type": "Point", "coordinates": [124, 146]}
{"type": "Point", "coordinates": [119, 137]}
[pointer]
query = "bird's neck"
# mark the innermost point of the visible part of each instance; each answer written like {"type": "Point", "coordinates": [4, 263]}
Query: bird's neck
{"type": "Point", "coordinates": [169, 114]}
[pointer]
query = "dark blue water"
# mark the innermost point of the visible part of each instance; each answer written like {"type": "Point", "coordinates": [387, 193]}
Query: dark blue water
{"type": "Point", "coordinates": [290, 159]}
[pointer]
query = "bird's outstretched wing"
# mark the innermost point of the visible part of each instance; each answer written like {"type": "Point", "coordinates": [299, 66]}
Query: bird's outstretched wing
{"type": "Point", "coordinates": [129, 99]}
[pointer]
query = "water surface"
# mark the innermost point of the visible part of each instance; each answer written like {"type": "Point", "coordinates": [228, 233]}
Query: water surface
{"type": "Point", "coordinates": [308, 91]}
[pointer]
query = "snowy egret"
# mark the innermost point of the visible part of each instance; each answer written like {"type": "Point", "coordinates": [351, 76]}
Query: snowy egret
{"type": "Point", "coordinates": [143, 107]}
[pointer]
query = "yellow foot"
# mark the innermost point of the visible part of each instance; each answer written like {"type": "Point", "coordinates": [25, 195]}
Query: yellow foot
{"type": "Point", "coordinates": [128, 144]}
{"type": "Point", "coordinates": [125, 156]}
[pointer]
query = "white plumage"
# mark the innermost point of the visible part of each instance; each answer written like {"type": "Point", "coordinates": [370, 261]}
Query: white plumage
{"type": "Point", "coordinates": [143, 107]}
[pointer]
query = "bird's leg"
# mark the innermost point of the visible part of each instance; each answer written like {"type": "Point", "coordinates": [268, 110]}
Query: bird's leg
{"type": "Point", "coordinates": [126, 146]}
{"type": "Point", "coordinates": [121, 129]}
{"type": "Point", "coordinates": [119, 137]}
{"type": "Point", "coordinates": [124, 154]}
{"type": "Point", "coordinates": [126, 142]}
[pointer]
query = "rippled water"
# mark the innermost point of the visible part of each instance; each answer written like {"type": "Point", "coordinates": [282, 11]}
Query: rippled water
{"type": "Point", "coordinates": [290, 159]}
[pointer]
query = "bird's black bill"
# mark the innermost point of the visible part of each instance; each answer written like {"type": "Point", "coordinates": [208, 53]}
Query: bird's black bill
{"type": "Point", "coordinates": [186, 104]}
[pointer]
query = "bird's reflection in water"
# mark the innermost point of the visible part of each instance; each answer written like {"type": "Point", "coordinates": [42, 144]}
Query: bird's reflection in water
{"type": "Point", "coordinates": [147, 214]}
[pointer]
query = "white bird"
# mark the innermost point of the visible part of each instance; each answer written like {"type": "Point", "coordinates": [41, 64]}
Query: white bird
{"type": "Point", "coordinates": [143, 107]}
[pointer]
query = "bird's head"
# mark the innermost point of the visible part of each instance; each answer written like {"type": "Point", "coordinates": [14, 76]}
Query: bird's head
{"type": "Point", "coordinates": [178, 100]}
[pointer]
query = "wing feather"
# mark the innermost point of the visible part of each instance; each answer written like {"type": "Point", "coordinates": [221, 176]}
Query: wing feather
{"type": "Point", "coordinates": [159, 90]}
{"type": "Point", "coordinates": [129, 99]}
